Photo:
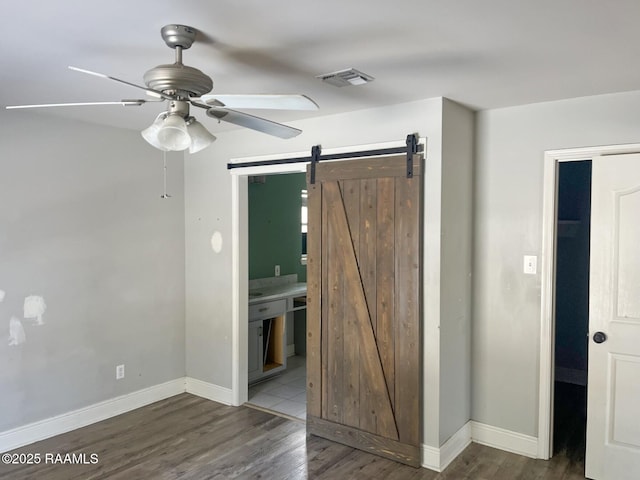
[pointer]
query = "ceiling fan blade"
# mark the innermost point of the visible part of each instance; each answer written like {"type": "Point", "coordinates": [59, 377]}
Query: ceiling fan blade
{"type": "Point", "coordinates": [150, 91]}
{"type": "Point", "coordinates": [273, 102]}
{"type": "Point", "coordinates": [124, 103]}
{"type": "Point", "coordinates": [254, 123]}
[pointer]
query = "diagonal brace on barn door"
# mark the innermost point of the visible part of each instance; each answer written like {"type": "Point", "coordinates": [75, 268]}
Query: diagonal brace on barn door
{"type": "Point", "coordinates": [371, 360]}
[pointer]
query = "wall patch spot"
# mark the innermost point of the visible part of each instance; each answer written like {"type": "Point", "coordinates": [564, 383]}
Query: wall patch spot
{"type": "Point", "coordinates": [34, 307]}
{"type": "Point", "coordinates": [216, 242]}
{"type": "Point", "coordinates": [2, 294]}
{"type": "Point", "coordinates": [16, 332]}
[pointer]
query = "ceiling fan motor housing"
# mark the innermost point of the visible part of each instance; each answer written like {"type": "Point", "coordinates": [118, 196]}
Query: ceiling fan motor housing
{"type": "Point", "coordinates": [177, 77]}
{"type": "Point", "coordinates": [178, 35]}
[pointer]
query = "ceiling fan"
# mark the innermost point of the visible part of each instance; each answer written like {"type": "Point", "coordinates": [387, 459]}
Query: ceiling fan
{"type": "Point", "coordinates": [181, 87]}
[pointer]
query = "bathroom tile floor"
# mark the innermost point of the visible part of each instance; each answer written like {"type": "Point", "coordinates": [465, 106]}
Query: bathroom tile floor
{"type": "Point", "coordinates": [284, 393]}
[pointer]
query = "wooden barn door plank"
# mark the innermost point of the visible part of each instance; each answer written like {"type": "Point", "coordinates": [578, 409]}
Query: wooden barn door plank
{"type": "Point", "coordinates": [407, 341]}
{"type": "Point", "coordinates": [351, 379]}
{"type": "Point", "coordinates": [385, 280]}
{"type": "Point", "coordinates": [336, 309]}
{"type": "Point", "coordinates": [314, 290]}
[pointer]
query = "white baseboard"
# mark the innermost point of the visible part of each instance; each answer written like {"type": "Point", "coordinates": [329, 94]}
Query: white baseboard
{"type": "Point", "coordinates": [291, 350]}
{"type": "Point", "coordinates": [504, 439]}
{"type": "Point", "coordinates": [455, 445]}
{"type": "Point", "coordinates": [209, 391]}
{"type": "Point", "coordinates": [431, 458]}
{"type": "Point", "coordinates": [439, 458]}
{"type": "Point", "coordinates": [33, 432]}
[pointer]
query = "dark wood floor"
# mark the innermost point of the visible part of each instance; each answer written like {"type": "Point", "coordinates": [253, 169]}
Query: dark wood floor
{"type": "Point", "coordinates": [570, 420]}
{"type": "Point", "coordinates": [187, 437]}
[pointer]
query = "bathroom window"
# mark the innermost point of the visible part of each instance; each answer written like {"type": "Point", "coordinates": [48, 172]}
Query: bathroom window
{"type": "Point", "coordinates": [303, 225]}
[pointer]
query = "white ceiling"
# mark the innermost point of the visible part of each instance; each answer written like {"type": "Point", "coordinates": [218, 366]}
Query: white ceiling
{"type": "Point", "coordinates": [484, 54]}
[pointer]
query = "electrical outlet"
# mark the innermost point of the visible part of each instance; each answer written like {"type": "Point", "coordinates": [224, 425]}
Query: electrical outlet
{"type": "Point", "coordinates": [530, 264]}
{"type": "Point", "coordinates": [277, 272]}
{"type": "Point", "coordinates": [119, 372]}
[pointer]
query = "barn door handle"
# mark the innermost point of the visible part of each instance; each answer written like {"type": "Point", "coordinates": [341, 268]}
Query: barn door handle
{"type": "Point", "coordinates": [599, 337]}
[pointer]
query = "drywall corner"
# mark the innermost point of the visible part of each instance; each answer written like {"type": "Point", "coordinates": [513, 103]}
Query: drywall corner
{"type": "Point", "coordinates": [458, 125]}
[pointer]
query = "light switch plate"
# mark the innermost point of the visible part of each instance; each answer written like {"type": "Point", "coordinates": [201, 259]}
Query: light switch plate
{"type": "Point", "coordinates": [530, 264]}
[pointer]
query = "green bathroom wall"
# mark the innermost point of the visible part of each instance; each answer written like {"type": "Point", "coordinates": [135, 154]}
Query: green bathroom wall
{"type": "Point", "coordinates": [274, 226]}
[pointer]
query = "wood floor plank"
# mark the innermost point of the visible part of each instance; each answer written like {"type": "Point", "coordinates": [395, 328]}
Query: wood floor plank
{"type": "Point", "coordinates": [322, 454]}
{"type": "Point", "coordinates": [191, 438]}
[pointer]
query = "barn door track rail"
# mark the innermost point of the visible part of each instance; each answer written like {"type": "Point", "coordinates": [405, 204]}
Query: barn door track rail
{"type": "Point", "coordinates": [412, 147]}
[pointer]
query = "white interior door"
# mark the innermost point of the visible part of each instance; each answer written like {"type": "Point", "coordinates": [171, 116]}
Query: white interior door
{"type": "Point", "coordinates": [613, 395]}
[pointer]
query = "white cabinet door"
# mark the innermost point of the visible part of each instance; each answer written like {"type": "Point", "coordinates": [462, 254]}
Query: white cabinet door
{"type": "Point", "coordinates": [613, 404]}
{"type": "Point", "coordinates": [255, 350]}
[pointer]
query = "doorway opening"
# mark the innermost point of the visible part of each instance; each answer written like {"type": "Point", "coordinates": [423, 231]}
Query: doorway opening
{"type": "Point", "coordinates": [554, 160]}
{"type": "Point", "coordinates": [267, 165]}
{"type": "Point", "coordinates": [277, 293]}
{"type": "Point", "coordinates": [571, 309]}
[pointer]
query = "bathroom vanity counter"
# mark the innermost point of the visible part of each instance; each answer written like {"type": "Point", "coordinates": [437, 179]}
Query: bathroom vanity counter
{"type": "Point", "coordinates": [272, 303]}
{"type": "Point", "coordinates": [277, 292]}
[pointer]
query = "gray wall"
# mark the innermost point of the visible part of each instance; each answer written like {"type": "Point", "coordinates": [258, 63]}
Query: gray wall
{"type": "Point", "coordinates": [508, 217]}
{"type": "Point", "coordinates": [208, 199]}
{"type": "Point", "coordinates": [82, 225]}
{"type": "Point", "coordinates": [458, 125]}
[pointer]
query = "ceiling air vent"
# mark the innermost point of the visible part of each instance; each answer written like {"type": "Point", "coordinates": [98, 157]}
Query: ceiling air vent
{"type": "Point", "coordinates": [345, 78]}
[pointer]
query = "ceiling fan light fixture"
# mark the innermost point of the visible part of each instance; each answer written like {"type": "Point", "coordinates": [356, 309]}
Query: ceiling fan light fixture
{"type": "Point", "coordinates": [173, 134]}
{"type": "Point", "coordinates": [150, 134]}
{"type": "Point", "coordinates": [166, 133]}
{"type": "Point", "coordinates": [201, 138]}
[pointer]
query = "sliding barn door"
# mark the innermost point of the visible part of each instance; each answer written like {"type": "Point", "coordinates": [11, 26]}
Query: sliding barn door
{"type": "Point", "coordinates": [364, 305]}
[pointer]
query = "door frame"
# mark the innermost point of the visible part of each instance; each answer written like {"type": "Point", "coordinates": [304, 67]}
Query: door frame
{"type": "Point", "coordinates": [240, 249]}
{"type": "Point", "coordinates": [552, 159]}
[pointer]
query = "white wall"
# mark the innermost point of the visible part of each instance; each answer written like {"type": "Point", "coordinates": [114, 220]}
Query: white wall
{"type": "Point", "coordinates": [82, 225]}
{"type": "Point", "coordinates": [508, 215]}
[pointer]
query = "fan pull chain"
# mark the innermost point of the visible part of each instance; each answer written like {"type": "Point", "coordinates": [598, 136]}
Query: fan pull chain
{"type": "Point", "coordinates": [164, 172]}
